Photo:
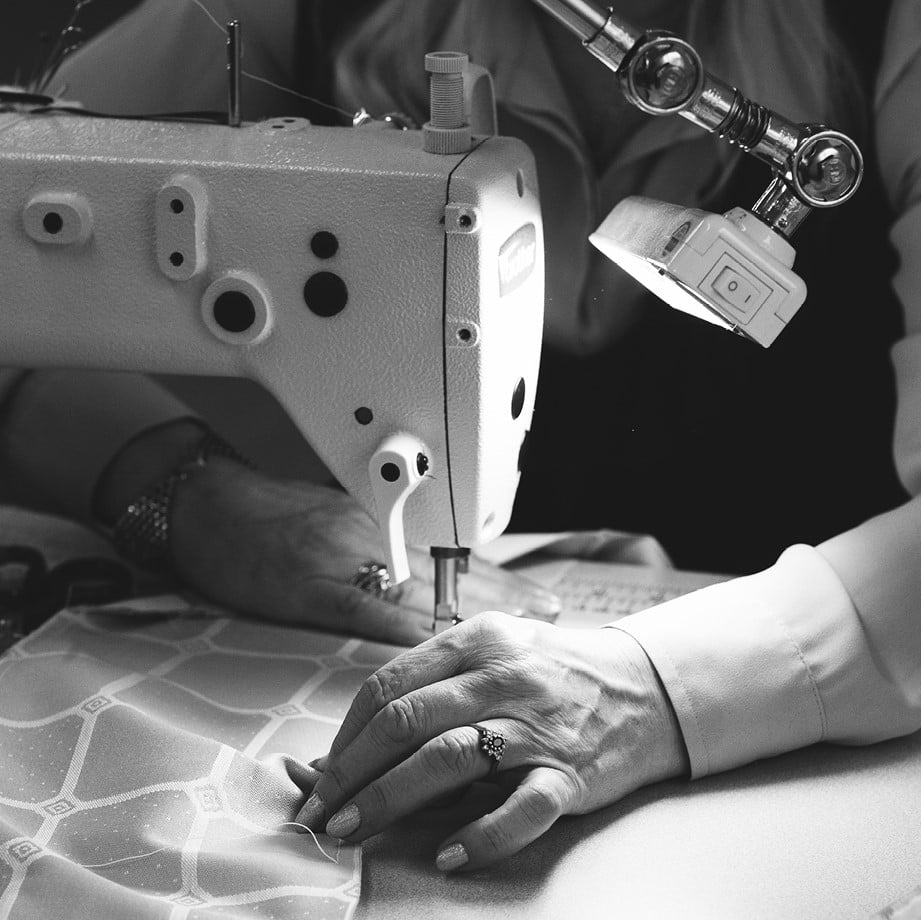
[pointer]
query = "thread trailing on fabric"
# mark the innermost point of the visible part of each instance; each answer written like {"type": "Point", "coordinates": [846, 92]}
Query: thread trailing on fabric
{"type": "Point", "coordinates": [124, 859]}
{"type": "Point", "coordinates": [312, 834]}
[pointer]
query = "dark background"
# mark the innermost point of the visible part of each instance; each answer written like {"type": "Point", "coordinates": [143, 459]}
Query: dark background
{"type": "Point", "coordinates": [30, 27]}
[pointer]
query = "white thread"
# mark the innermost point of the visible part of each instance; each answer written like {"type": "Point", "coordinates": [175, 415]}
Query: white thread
{"type": "Point", "coordinates": [315, 840]}
{"type": "Point", "coordinates": [258, 79]}
{"type": "Point", "coordinates": [294, 92]}
{"type": "Point", "coordinates": [124, 859]}
{"type": "Point", "coordinates": [115, 862]}
{"type": "Point", "coordinates": [209, 14]}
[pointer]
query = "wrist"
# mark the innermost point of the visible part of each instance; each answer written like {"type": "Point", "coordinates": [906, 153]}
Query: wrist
{"type": "Point", "coordinates": [144, 461]}
{"type": "Point", "coordinates": [204, 522]}
{"type": "Point", "coordinates": [143, 530]}
{"type": "Point", "coordinates": [668, 755]}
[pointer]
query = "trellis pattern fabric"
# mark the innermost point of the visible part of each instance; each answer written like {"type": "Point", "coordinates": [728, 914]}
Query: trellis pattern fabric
{"type": "Point", "coordinates": [147, 761]}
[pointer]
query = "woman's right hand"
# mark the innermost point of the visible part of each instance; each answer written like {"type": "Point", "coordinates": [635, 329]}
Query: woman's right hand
{"type": "Point", "coordinates": [584, 717]}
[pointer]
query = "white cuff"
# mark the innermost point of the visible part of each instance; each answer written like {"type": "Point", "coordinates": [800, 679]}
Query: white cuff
{"type": "Point", "coordinates": [743, 662]}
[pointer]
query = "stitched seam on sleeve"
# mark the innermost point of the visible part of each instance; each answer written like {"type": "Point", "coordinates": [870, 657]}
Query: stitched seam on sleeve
{"type": "Point", "coordinates": [812, 681]}
{"type": "Point", "coordinates": [693, 711]}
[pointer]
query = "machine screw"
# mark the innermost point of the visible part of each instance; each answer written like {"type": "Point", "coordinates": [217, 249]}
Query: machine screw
{"type": "Point", "coordinates": [674, 78]}
{"type": "Point", "coordinates": [833, 170]}
{"type": "Point", "coordinates": [827, 171]}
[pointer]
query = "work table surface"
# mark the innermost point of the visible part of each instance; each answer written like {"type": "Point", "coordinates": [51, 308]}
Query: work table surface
{"type": "Point", "coordinates": [824, 833]}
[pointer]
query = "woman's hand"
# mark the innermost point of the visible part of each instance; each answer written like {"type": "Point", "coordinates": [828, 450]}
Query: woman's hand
{"type": "Point", "coordinates": [585, 719]}
{"type": "Point", "coordinates": [289, 550]}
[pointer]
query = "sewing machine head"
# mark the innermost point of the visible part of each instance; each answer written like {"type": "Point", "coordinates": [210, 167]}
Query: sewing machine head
{"type": "Point", "coordinates": [389, 295]}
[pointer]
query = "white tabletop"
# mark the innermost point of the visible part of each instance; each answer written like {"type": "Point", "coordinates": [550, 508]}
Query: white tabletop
{"type": "Point", "coordinates": [825, 833]}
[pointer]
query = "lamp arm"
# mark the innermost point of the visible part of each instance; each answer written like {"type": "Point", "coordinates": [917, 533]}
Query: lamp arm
{"type": "Point", "coordinates": [661, 74]}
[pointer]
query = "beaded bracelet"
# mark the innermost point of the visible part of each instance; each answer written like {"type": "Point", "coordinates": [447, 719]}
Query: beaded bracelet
{"type": "Point", "coordinates": [141, 534]}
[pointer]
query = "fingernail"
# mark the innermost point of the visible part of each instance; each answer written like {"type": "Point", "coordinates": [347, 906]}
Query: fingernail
{"type": "Point", "coordinates": [548, 604]}
{"type": "Point", "coordinates": [452, 857]}
{"type": "Point", "coordinates": [344, 822]}
{"type": "Point", "coordinates": [319, 763]}
{"type": "Point", "coordinates": [312, 811]}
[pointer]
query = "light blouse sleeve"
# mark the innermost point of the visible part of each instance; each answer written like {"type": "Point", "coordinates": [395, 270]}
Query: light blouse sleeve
{"type": "Point", "coordinates": [826, 644]}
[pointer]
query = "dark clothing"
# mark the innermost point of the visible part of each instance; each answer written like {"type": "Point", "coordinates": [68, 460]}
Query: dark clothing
{"type": "Point", "coordinates": [725, 451]}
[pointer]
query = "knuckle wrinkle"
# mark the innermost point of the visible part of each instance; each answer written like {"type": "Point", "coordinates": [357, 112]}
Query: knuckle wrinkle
{"type": "Point", "coordinates": [448, 752]}
{"type": "Point", "coordinates": [403, 720]}
{"type": "Point", "coordinates": [380, 689]}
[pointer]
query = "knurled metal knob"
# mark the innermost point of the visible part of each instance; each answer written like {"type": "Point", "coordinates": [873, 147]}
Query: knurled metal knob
{"type": "Point", "coordinates": [447, 131]}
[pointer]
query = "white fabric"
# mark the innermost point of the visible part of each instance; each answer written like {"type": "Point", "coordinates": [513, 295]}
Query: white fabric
{"type": "Point", "coordinates": [155, 776]}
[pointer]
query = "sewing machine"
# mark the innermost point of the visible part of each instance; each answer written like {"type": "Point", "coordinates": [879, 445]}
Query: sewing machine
{"type": "Point", "coordinates": [386, 285]}
{"type": "Point", "coordinates": [390, 296]}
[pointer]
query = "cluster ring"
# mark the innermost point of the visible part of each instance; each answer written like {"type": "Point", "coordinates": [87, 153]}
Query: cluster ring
{"type": "Point", "coordinates": [492, 743]}
{"type": "Point", "coordinates": [373, 578]}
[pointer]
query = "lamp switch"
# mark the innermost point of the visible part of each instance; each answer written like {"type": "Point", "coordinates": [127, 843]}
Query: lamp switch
{"type": "Point", "coordinates": [739, 290]}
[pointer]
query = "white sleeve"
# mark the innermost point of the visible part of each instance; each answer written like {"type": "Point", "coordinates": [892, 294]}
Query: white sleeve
{"type": "Point", "coordinates": [784, 658]}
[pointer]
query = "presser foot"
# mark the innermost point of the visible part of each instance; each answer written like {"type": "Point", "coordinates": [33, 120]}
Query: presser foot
{"type": "Point", "coordinates": [449, 563]}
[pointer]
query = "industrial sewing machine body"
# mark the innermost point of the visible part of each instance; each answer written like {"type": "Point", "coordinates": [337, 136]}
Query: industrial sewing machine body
{"type": "Point", "coordinates": [376, 289]}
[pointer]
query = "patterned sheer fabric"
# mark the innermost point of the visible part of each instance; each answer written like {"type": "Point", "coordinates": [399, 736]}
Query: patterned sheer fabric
{"type": "Point", "coordinates": [150, 753]}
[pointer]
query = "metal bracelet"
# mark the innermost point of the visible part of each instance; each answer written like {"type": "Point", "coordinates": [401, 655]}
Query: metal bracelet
{"type": "Point", "coordinates": [141, 535]}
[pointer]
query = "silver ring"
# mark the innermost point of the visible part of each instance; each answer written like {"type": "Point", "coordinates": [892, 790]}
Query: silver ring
{"type": "Point", "coordinates": [374, 578]}
{"type": "Point", "coordinates": [492, 744]}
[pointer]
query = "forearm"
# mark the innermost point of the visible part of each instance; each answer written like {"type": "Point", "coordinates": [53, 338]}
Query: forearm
{"type": "Point", "coordinates": [147, 459]}
{"type": "Point", "coordinates": [61, 429]}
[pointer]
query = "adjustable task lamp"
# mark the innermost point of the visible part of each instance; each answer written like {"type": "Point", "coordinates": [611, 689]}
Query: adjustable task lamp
{"type": "Point", "coordinates": [734, 270]}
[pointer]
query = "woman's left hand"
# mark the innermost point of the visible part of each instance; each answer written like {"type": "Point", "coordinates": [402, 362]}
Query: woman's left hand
{"type": "Point", "coordinates": [583, 714]}
{"type": "Point", "coordinates": [290, 550]}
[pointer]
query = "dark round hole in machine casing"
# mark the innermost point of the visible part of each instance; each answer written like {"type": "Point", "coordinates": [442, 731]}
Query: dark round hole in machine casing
{"type": "Point", "coordinates": [324, 245]}
{"type": "Point", "coordinates": [53, 223]}
{"type": "Point", "coordinates": [390, 472]}
{"type": "Point", "coordinates": [234, 311]}
{"type": "Point", "coordinates": [326, 294]}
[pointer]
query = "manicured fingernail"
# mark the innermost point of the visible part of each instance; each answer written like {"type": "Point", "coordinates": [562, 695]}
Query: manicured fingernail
{"type": "Point", "coordinates": [452, 857]}
{"type": "Point", "coordinates": [344, 822]}
{"type": "Point", "coordinates": [312, 812]}
{"type": "Point", "coordinates": [548, 604]}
